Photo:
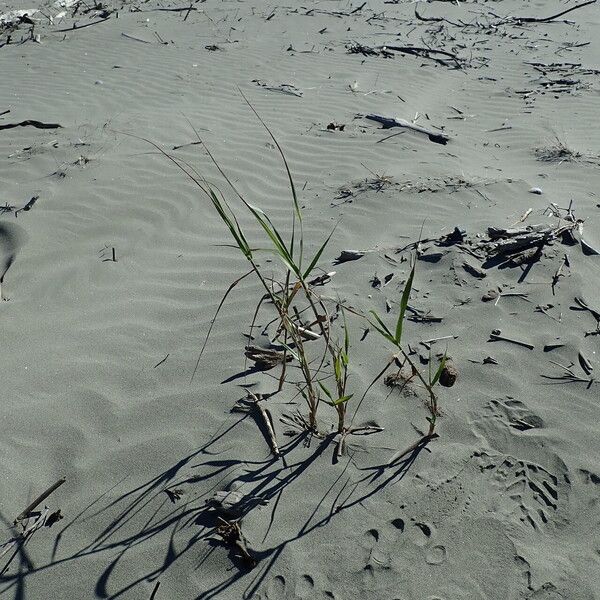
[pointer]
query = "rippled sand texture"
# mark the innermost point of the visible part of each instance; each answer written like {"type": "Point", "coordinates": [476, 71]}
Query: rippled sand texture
{"type": "Point", "coordinates": [114, 274]}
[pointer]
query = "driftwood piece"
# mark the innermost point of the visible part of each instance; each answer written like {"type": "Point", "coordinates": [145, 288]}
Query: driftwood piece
{"type": "Point", "coordinates": [474, 270]}
{"type": "Point", "coordinates": [30, 123]}
{"type": "Point", "coordinates": [265, 359]}
{"type": "Point", "coordinates": [528, 256]}
{"type": "Point", "coordinates": [387, 122]}
{"type": "Point", "coordinates": [420, 316]}
{"type": "Point", "coordinates": [36, 522]}
{"type": "Point", "coordinates": [25, 513]}
{"type": "Point", "coordinates": [500, 232]}
{"type": "Point", "coordinates": [267, 420]}
{"type": "Point", "coordinates": [429, 53]}
{"type": "Point", "coordinates": [496, 336]}
{"type": "Point", "coordinates": [76, 27]}
{"type": "Point", "coordinates": [552, 17]}
{"type": "Point", "coordinates": [521, 243]}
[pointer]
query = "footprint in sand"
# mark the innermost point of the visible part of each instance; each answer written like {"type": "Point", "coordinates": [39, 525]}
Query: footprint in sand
{"type": "Point", "coordinates": [276, 588]}
{"type": "Point", "coordinates": [531, 493]}
{"type": "Point", "coordinates": [422, 534]}
{"type": "Point", "coordinates": [304, 589]}
{"type": "Point", "coordinates": [12, 237]}
{"type": "Point", "coordinates": [376, 556]}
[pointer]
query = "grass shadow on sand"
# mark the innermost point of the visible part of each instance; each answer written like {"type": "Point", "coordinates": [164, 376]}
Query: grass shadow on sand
{"type": "Point", "coordinates": [183, 525]}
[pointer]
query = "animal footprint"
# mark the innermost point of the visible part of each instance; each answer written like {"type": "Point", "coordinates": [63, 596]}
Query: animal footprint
{"type": "Point", "coordinates": [276, 588]}
{"type": "Point", "coordinates": [515, 414]}
{"type": "Point", "coordinates": [589, 477]}
{"type": "Point", "coordinates": [436, 555]}
{"type": "Point", "coordinates": [307, 589]}
{"type": "Point", "coordinates": [421, 534]}
{"type": "Point", "coordinates": [376, 557]}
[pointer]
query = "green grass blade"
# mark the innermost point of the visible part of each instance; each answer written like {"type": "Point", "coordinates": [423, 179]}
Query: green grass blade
{"type": "Point", "coordinates": [290, 350]}
{"type": "Point", "coordinates": [337, 367]}
{"type": "Point", "coordinates": [214, 319]}
{"type": "Point", "coordinates": [382, 328]}
{"type": "Point", "coordinates": [290, 180]}
{"type": "Point", "coordinates": [318, 255]}
{"type": "Point", "coordinates": [440, 368]}
{"type": "Point", "coordinates": [327, 392]}
{"type": "Point", "coordinates": [231, 222]}
{"type": "Point", "coordinates": [278, 242]}
{"type": "Point", "coordinates": [342, 400]}
{"type": "Point", "coordinates": [403, 305]}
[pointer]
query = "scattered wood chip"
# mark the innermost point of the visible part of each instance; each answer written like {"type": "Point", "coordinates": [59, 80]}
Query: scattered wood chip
{"type": "Point", "coordinates": [387, 122]}
{"type": "Point", "coordinates": [283, 88]}
{"type": "Point", "coordinates": [348, 255]}
{"type": "Point", "coordinates": [474, 270]}
{"type": "Point", "coordinates": [265, 359]}
{"type": "Point", "coordinates": [496, 336]}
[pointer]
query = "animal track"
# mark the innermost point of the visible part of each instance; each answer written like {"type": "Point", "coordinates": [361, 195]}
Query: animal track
{"type": "Point", "coordinates": [589, 477]}
{"type": "Point", "coordinates": [533, 493]}
{"type": "Point", "coordinates": [276, 588]}
{"type": "Point", "coordinates": [305, 588]}
{"type": "Point", "coordinates": [514, 414]}
{"type": "Point", "coordinates": [376, 558]}
{"type": "Point", "coordinates": [529, 492]}
{"type": "Point", "coordinates": [417, 533]}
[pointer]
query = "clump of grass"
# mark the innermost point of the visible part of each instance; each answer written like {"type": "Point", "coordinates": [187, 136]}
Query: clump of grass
{"type": "Point", "coordinates": [402, 359]}
{"type": "Point", "coordinates": [291, 296]}
{"type": "Point", "coordinates": [557, 152]}
{"type": "Point", "coordinates": [303, 323]}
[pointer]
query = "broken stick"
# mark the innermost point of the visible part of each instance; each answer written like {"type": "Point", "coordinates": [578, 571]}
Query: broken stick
{"type": "Point", "coordinates": [268, 423]}
{"type": "Point", "coordinates": [387, 122]}
{"type": "Point", "coordinates": [25, 513]}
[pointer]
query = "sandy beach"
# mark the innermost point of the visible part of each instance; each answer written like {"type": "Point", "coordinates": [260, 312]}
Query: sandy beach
{"type": "Point", "coordinates": [454, 140]}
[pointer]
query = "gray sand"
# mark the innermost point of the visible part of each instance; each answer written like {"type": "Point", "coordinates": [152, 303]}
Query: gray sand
{"type": "Point", "coordinates": [98, 353]}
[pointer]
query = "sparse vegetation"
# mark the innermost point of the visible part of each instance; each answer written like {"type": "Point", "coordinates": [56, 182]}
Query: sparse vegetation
{"type": "Point", "coordinates": [558, 151]}
{"type": "Point", "coordinates": [306, 333]}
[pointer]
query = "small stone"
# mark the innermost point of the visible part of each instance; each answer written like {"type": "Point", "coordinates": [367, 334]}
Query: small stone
{"type": "Point", "coordinates": [536, 190]}
{"type": "Point", "coordinates": [490, 295]}
{"type": "Point", "coordinates": [448, 375]}
{"type": "Point", "coordinates": [98, 82]}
